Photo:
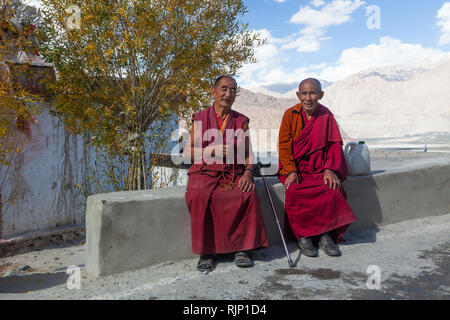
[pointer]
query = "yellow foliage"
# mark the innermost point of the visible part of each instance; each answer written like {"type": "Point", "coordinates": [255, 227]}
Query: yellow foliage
{"type": "Point", "coordinates": [132, 65]}
{"type": "Point", "coordinates": [16, 104]}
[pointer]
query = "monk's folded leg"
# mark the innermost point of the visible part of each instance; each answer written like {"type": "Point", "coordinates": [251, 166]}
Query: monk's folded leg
{"type": "Point", "coordinates": [198, 193]}
{"type": "Point", "coordinates": [315, 210]}
{"type": "Point", "coordinates": [237, 220]}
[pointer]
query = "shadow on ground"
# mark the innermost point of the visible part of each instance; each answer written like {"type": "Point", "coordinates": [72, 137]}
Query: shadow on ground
{"type": "Point", "coordinates": [31, 282]}
{"type": "Point", "coordinates": [363, 236]}
{"type": "Point", "coordinates": [43, 244]}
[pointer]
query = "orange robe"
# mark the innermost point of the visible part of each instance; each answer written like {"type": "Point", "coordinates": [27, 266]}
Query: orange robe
{"type": "Point", "coordinates": [291, 127]}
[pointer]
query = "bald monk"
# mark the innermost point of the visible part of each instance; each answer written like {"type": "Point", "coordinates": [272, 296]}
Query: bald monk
{"type": "Point", "coordinates": [312, 168]}
{"type": "Point", "coordinates": [221, 194]}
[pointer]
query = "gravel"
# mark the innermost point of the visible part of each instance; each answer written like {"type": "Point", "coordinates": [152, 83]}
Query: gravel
{"type": "Point", "coordinates": [412, 258]}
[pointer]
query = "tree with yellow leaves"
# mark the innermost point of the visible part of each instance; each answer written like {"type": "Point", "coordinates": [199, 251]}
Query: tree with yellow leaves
{"type": "Point", "coordinates": [126, 67]}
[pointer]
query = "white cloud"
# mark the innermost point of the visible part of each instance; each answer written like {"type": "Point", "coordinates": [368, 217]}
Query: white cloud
{"type": "Point", "coordinates": [388, 52]}
{"type": "Point", "coordinates": [319, 66]}
{"type": "Point", "coordinates": [334, 13]}
{"type": "Point", "coordinates": [443, 17]}
{"type": "Point", "coordinates": [267, 56]}
{"type": "Point", "coordinates": [317, 3]}
{"type": "Point", "coordinates": [268, 70]}
{"type": "Point", "coordinates": [280, 1]}
{"type": "Point", "coordinates": [265, 34]}
{"type": "Point", "coordinates": [306, 43]}
{"type": "Point", "coordinates": [317, 21]}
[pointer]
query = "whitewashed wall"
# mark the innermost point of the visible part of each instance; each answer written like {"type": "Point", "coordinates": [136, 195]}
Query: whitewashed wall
{"type": "Point", "coordinates": [49, 180]}
{"type": "Point", "coordinates": [43, 181]}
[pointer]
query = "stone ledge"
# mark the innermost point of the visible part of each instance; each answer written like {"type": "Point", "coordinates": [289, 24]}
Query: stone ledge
{"type": "Point", "coordinates": [131, 230]}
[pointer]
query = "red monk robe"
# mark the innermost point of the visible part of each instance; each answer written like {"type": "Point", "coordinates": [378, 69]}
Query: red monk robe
{"type": "Point", "coordinates": [312, 207]}
{"type": "Point", "coordinates": [222, 221]}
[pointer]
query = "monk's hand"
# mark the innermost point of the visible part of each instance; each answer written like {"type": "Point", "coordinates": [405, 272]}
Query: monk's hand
{"type": "Point", "coordinates": [291, 178]}
{"type": "Point", "coordinates": [246, 183]}
{"type": "Point", "coordinates": [331, 179]}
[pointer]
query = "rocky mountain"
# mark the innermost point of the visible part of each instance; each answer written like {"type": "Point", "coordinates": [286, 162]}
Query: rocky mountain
{"type": "Point", "coordinates": [388, 102]}
{"type": "Point", "coordinates": [377, 103]}
{"type": "Point", "coordinates": [393, 101]}
{"type": "Point", "coordinates": [264, 111]}
{"type": "Point", "coordinates": [284, 90]}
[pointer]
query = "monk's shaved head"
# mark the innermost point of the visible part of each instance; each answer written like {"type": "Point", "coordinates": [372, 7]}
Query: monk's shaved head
{"type": "Point", "coordinates": [314, 81]}
{"type": "Point", "coordinates": [216, 83]}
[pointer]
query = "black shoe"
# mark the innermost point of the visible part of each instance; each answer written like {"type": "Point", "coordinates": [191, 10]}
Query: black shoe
{"type": "Point", "coordinates": [306, 247]}
{"type": "Point", "coordinates": [206, 263]}
{"type": "Point", "coordinates": [242, 260]}
{"type": "Point", "coordinates": [328, 246]}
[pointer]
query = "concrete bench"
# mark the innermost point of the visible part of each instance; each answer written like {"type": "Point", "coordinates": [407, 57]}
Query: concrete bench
{"type": "Point", "coordinates": [131, 230]}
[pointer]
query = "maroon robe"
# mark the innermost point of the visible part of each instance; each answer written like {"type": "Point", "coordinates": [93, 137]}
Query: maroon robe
{"type": "Point", "coordinates": [222, 221]}
{"type": "Point", "coordinates": [312, 207]}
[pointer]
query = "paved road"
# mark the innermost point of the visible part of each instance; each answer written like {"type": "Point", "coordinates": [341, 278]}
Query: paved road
{"type": "Point", "coordinates": [412, 257]}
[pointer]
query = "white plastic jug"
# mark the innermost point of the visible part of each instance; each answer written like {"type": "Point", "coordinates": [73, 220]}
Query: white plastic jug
{"type": "Point", "coordinates": [358, 158]}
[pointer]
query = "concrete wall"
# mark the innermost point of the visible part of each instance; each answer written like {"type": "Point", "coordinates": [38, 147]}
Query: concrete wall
{"type": "Point", "coordinates": [130, 230]}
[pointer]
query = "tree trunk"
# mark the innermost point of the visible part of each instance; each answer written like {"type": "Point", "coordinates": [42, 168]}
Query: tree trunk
{"type": "Point", "coordinates": [136, 178]}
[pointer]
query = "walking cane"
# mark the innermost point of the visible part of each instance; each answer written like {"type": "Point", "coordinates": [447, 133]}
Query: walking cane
{"type": "Point", "coordinates": [291, 263]}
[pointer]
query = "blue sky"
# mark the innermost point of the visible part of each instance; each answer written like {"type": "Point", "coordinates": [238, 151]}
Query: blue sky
{"type": "Point", "coordinates": [331, 39]}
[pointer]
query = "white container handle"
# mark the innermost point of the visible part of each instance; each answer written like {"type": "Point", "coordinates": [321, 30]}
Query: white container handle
{"type": "Point", "coordinates": [347, 146]}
